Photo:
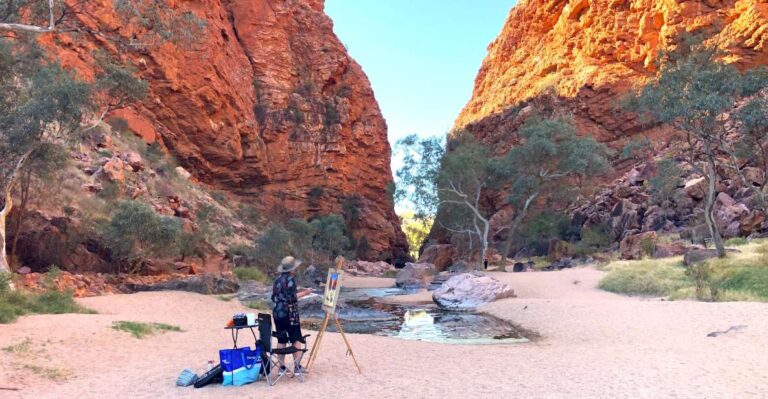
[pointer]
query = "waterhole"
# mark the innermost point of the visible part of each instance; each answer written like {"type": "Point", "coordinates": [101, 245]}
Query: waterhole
{"type": "Point", "coordinates": [361, 313]}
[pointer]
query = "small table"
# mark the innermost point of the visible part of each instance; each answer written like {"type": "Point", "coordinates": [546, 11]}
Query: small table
{"type": "Point", "coordinates": [235, 330]}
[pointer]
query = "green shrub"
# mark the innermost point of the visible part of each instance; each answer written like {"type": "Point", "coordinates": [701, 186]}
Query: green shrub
{"type": "Point", "coordinates": [648, 246]}
{"type": "Point", "coordinates": [736, 241]}
{"type": "Point", "coordinates": [189, 245]}
{"type": "Point", "coordinates": [331, 114]}
{"type": "Point", "coordinates": [259, 304]}
{"type": "Point", "coordinates": [706, 281]}
{"type": "Point", "coordinates": [136, 233]}
{"type": "Point", "coordinates": [249, 214]}
{"type": "Point", "coordinates": [645, 278]}
{"type": "Point", "coordinates": [332, 236]}
{"type": "Point", "coordinates": [748, 279]}
{"type": "Point", "coordinates": [273, 246]}
{"type": "Point", "coordinates": [18, 303]}
{"type": "Point", "coordinates": [351, 209]}
{"type": "Point", "coordinates": [5, 281]}
{"type": "Point", "coordinates": [252, 273]}
{"type": "Point", "coordinates": [315, 193]}
{"type": "Point", "coordinates": [537, 232]}
{"type": "Point", "coordinates": [141, 330]}
{"type": "Point", "coordinates": [241, 254]}
{"type": "Point", "coordinates": [593, 239]}
{"type": "Point", "coordinates": [152, 153]}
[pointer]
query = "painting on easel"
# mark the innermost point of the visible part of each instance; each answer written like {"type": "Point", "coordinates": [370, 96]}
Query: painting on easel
{"type": "Point", "coordinates": [332, 288]}
{"type": "Point", "coordinates": [330, 299]}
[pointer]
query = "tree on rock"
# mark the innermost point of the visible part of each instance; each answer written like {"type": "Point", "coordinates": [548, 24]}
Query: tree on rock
{"type": "Point", "coordinates": [547, 165]}
{"type": "Point", "coordinates": [695, 86]}
{"type": "Point", "coordinates": [39, 103]}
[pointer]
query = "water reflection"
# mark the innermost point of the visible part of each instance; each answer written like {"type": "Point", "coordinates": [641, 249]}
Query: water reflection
{"type": "Point", "coordinates": [362, 314]}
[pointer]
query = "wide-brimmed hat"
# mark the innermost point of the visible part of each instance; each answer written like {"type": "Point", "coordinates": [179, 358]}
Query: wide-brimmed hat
{"type": "Point", "coordinates": [288, 264]}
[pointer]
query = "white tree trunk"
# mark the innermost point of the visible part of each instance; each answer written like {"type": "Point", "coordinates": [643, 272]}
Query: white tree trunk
{"type": "Point", "coordinates": [4, 265]}
{"type": "Point", "coordinates": [709, 207]}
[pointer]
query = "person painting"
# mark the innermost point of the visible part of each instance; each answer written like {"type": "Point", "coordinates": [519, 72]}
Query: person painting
{"type": "Point", "coordinates": [285, 296]}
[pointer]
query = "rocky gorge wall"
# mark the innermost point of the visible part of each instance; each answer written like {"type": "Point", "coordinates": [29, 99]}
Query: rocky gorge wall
{"type": "Point", "coordinates": [266, 105]}
{"type": "Point", "coordinates": [591, 52]}
{"type": "Point", "coordinates": [581, 57]}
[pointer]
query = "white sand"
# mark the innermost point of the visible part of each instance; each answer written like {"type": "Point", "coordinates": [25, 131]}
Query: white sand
{"type": "Point", "coordinates": [594, 345]}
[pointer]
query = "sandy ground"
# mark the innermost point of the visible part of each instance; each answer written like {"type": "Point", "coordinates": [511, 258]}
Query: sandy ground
{"type": "Point", "coordinates": [593, 345]}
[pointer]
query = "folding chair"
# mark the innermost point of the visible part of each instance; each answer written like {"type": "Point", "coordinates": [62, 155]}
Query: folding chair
{"type": "Point", "coordinates": [270, 356]}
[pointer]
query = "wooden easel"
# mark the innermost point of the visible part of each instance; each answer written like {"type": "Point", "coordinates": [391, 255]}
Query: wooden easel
{"type": "Point", "coordinates": [330, 297]}
{"type": "Point", "coordinates": [321, 334]}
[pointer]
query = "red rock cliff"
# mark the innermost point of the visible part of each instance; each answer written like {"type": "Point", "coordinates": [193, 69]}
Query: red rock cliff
{"type": "Point", "coordinates": [268, 105]}
{"type": "Point", "coordinates": [591, 52]}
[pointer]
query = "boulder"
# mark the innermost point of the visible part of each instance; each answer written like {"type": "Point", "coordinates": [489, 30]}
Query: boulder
{"type": "Point", "coordinates": [363, 268]}
{"type": "Point", "coordinates": [559, 249]}
{"type": "Point", "coordinates": [676, 248]}
{"type": "Point", "coordinates": [637, 245]}
{"type": "Point", "coordinates": [415, 275]}
{"type": "Point", "coordinates": [696, 188]}
{"type": "Point", "coordinates": [183, 173]}
{"type": "Point", "coordinates": [564, 263]}
{"type": "Point", "coordinates": [92, 187]}
{"type": "Point", "coordinates": [459, 267]}
{"type": "Point", "coordinates": [183, 212]}
{"type": "Point", "coordinates": [133, 159]}
{"type": "Point", "coordinates": [113, 170]}
{"type": "Point", "coordinates": [754, 175]}
{"type": "Point", "coordinates": [698, 255]}
{"type": "Point", "coordinates": [751, 222]}
{"type": "Point", "coordinates": [467, 291]}
{"type": "Point", "coordinates": [440, 255]}
{"type": "Point", "coordinates": [728, 214]}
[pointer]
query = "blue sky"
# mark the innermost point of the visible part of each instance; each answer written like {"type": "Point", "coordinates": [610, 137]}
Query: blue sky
{"type": "Point", "coordinates": [421, 56]}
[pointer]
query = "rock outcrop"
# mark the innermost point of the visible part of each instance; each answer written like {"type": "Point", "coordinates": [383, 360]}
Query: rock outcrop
{"type": "Point", "coordinates": [590, 52]}
{"type": "Point", "coordinates": [467, 291]}
{"type": "Point", "coordinates": [266, 105]}
{"type": "Point", "coordinates": [580, 58]}
{"type": "Point", "coordinates": [415, 275]}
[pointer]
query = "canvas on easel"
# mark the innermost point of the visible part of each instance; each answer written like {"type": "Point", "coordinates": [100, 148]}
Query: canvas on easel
{"type": "Point", "coordinates": [330, 299]}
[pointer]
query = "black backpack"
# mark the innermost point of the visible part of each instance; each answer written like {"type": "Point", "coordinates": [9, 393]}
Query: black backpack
{"type": "Point", "coordinates": [214, 375]}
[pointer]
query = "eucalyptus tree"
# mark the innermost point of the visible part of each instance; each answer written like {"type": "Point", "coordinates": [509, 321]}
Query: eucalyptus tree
{"type": "Point", "coordinates": [693, 90]}
{"type": "Point", "coordinates": [448, 185]}
{"type": "Point", "coordinates": [41, 103]}
{"type": "Point", "coordinates": [550, 162]}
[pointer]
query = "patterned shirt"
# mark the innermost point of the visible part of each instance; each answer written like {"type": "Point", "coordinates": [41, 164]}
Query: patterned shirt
{"type": "Point", "coordinates": [284, 297]}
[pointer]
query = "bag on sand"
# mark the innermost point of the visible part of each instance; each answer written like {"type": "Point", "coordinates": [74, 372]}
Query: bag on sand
{"type": "Point", "coordinates": [241, 365]}
{"type": "Point", "coordinates": [213, 376]}
{"type": "Point", "coordinates": [186, 378]}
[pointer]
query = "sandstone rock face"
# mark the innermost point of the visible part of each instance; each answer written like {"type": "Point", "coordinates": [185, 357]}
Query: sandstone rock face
{"type": "Point", "coordinates": [415, 275]}
{"type": "Point", "coordinates": [467, 291]}
{"type": "Point", "coordinates": [580, 58]}
{"type": "Point", "coordinates": [638, 245]}
{"type": "Point", "coordinates": [590, 52]}
{"type": "Point", "coordinates": [363, 268]}
{"type": "Point", "coordinates": [267, 106]}
{"type": "Point", "coordinates": [440, 255]}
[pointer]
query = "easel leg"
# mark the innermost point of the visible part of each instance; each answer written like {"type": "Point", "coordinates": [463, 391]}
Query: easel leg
{"type": "Point", "coordinates": [349, 348]}
{"type": "Point", "coordinates": [316, 346]}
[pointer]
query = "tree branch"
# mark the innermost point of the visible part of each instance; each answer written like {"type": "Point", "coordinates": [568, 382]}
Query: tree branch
{"type": "Point", "coordinates": [33, 28]}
